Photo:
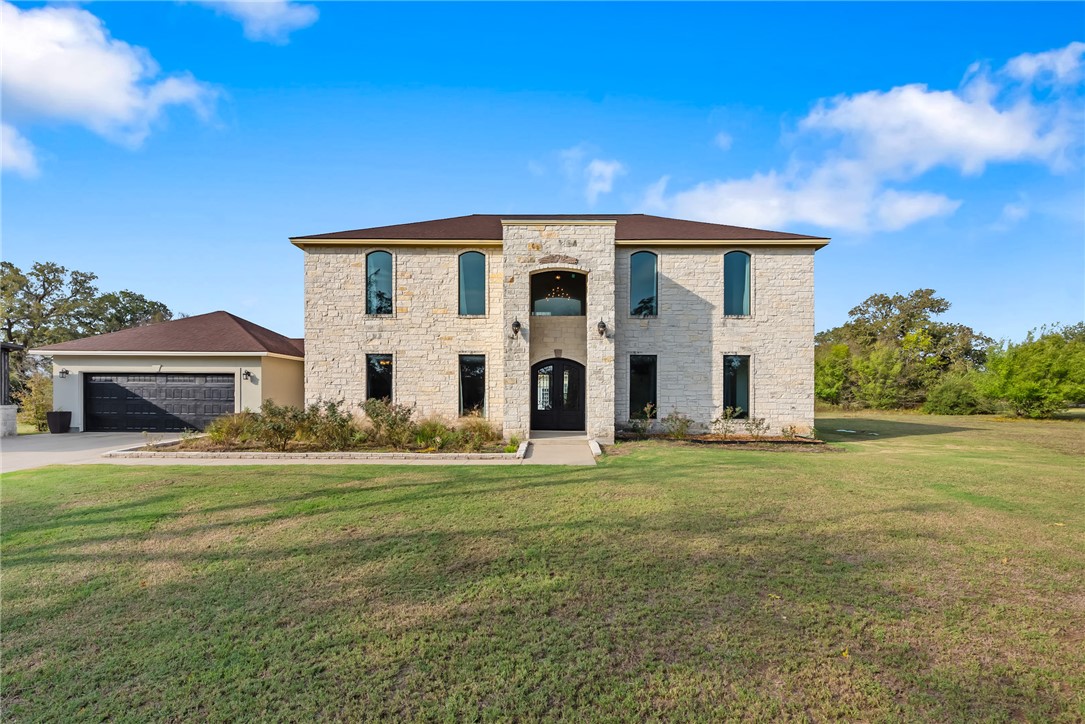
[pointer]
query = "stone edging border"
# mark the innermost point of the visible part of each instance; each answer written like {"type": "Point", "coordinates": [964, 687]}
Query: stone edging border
{"type": "Point", "coordinates": [140, 451]}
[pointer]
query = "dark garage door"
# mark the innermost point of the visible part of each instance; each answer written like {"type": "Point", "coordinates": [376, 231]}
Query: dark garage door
{"type": "Point", "coordinates": [159, 403]}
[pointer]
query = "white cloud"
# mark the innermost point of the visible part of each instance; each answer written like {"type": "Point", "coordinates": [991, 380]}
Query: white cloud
{"type": "Point", "coordinates": [723, 141]}
{"type": "Point", "coordinates": [16, 153]}
{"type": "Point", "coordinates": [61, 64]}
{"type": "Point", "coordinates": [268, 20]}
{"type": "Point", "coordinates": [863, 145]}
{"type": "Point", "coordinates": [1012, 214]}
{"type": "Point", "coordinates": [597, 174]}
{"type": "Point", "coordinates": [601, 175]}
{"type": "Point", "coordinates": [1059, 66]}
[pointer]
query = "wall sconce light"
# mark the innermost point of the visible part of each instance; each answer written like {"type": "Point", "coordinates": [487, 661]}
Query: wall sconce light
{"type": "Point", "coordinates": [602, 327]}
{"type": "Point", "coordinates": [63, 374]}
{"type": "Point", "coordinates": [516, 327]}
{"type": "Point", "coordinates": [246, 375]}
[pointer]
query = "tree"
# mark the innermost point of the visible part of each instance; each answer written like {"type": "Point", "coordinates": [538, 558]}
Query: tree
{"type": "Point", "coordinates": [1041, 375]}
{"type": "Point", "coordinates": [833, 374]}
{"type": "Point", "coordinates": [50, 304]}
{"type": "Point", "coordinates": [879, 379]}
{"type": "Point", "coordinates": [115, 311]}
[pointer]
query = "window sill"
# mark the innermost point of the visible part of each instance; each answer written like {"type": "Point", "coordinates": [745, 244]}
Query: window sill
{"type": "Point", "coordinates": [737, 316]}
{"type": "Point", "coordinates": [644, 316]}
{"type": "Point", "coordinates": [473, 316]}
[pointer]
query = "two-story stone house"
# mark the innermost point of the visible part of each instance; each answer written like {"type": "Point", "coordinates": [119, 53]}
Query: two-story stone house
{"type": "Point", "coordinates": [564, 322]}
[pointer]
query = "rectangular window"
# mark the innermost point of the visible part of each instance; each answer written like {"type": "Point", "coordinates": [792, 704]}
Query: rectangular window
{"type": "Point", "coordinates": [736, 383]}
{"type": "Point", "coordinates": [642, 385]}
{"type": "Point", "coordinates": [472, 384]}
{"type": "Point", "coordinates": [378, 377]}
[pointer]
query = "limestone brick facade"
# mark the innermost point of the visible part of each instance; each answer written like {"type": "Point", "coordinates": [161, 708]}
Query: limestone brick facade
{"type": "Point", "coordinates": [689, 337]}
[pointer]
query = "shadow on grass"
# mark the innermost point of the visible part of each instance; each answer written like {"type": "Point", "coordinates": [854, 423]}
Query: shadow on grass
{"type": "Point", "coordinates": [863, 429]}
{"type": "Point", "coordinates": [697, 612]}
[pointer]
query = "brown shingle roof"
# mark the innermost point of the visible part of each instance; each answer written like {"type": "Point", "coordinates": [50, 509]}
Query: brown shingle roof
{"type": "Point", "coordinates": [630, 227]}
{"type": "Point", "coordinates": [212, 332]}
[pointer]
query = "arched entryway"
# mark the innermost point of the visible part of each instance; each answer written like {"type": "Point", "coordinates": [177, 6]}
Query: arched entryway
{"type": "Point", "coordinates": [557, 395]}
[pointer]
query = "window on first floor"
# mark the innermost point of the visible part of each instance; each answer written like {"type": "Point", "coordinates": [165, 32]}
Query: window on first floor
{"type": "Point", "coordinates": [736, 383]}
{"type": "Point", "coordinates": [736, 283]}
{"type": "Point", "coordinates": [378, 282]}
{"type": "Point", "coordinates": [472, 283]}
{"type": "Point", "coordinates": [642, 385]}
{"type": "Point", "coordinates": [378, 377]}
{"type": "Point", "coordinates": [472, 384]}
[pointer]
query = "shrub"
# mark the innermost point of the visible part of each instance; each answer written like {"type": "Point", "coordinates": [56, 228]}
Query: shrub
{"type": "Point", "coordinates": [329, 427]}
{"type": "Point", "coordinates": [956, 394]}
{"type": "Point", "coordinates": [35, 400]}
{"type": "Point", "coordinates": [832, 374]}
{"type": "Point", "coordinates": [725, 424]}
{"type": "Point", "coordinates": [789, 431]}
{"type": "Point", "coordinates": [434, 433]}
{"type": "Point", "coordinates": [756, 427]}
{"type": "Point", "coordinates": [676, 425]}
{"type": "Point", "coordinates": [880, 378]}
{"type": "Point", "coordinates": [233, 430]}
{"type": "Point", "coordinates": [514, 444]}
{"type": "Point", "coordinates": [476, 433]}
{"type": "Point", "coordinates": [277, 425]}
{"type": "Point", "coordinates": [392, 424]}
{"type": "Point", "coordinates": [641, 421]}
{"type": "Point", "coordinates": [1041, 375]}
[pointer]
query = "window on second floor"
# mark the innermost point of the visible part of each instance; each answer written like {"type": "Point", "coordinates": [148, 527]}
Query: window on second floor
{"type": "Point", "coordinates": [558, 294]}
{"type": "Point", "coordinates": [736, 283]}
{"type": "Point", "coordinates": [643, 284]}
{"type": "Point", "coordinates": [378, 282]}
{"type": "Point", "coordinates": [472, 283]}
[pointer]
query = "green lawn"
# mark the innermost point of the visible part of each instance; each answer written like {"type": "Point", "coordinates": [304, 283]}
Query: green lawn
{"type": "Point", "coordinates": [932, 571]}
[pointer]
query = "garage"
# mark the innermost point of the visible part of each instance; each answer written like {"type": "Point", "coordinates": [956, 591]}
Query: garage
{"type": "Point", "coordinates": [176, 375]}
{"type": "Point", "coordinates": [119, 402]}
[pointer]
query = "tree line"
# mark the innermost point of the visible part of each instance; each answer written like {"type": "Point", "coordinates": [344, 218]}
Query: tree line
{"type": "Point", "coordinates": [892, 353]}
{"type": "Point", "coordinates": [48, 304]}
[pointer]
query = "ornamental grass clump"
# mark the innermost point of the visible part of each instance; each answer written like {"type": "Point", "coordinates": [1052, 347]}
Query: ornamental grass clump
{"type": "Point", "coordinates": [392, 423]}
{"type": "Point", "coordinates": [327, 426]}
{"type": "Point", "coordinates": [476, 433]}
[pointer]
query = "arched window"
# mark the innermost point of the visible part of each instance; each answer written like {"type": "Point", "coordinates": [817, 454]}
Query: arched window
{"type": "Point", "coordinates": [378, 282]}
{"type": "Point", "coordinates": [736, 283]}
{"type": "Point", "coordinates": [472, 283]}
{"type": "Point", "coordinates": [558, 294]}
{"type": "Point", "coordinates": [643, 284]}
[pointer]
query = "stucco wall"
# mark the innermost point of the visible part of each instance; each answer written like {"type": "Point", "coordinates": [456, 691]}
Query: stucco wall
{"type": "Point", "coordinates": [248, 394]}
{"type": "Point", "coordinates": [425, 334]}
{"type": "Point", "coordinates": [691, 335]}
{"type": "Point", "coordinates": [283, 381]}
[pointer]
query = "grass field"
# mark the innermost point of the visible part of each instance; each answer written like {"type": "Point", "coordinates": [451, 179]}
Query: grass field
{"type": "Point", "coordinates": [933, 571]}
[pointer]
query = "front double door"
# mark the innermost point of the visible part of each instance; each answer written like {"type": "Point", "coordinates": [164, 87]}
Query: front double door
{"type": "Point", "coordinates": [557, 395]}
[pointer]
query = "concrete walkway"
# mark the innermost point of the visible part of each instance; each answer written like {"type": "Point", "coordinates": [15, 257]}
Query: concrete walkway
{"type": "Point", "coordinates": [550, 447]}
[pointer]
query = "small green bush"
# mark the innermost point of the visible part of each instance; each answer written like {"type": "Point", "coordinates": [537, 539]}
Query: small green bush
{"type": "Point", "coordinates": [956, 394]}
{"type": "Point", "coordinates": [727, 421]}
{"type": "Point", "coordinates": [233, 430]}
{"type": "Point", "coordinates": [36, 399]}
{"type": "Point", "coordinates": [641, 420]}
{"type": "Point", "coordinates": [392, 423]}
{"type": "Point", "coordinates": [476, 433]}
{"type": "Point", "coordinates": [756, 427]}
{"type": "Point", "coordinates": [676, 425]}
{"type": "Point", "coordinates": [435, 433]}
{"type": "Point", "coordinates": [328, 426]}
{"type": "Point", "coordinates": [277, 425]}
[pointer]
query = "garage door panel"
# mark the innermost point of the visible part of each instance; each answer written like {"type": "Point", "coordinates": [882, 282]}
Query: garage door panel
{"type": "Point", "coordinates": [157, 403]}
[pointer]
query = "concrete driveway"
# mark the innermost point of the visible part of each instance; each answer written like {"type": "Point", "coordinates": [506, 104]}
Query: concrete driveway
{"type": "Point", "coordinates": [33, 451]}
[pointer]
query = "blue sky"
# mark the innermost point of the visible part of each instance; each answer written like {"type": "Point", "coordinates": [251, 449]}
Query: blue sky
{"type": "Point", "coordinates": [172, 148]}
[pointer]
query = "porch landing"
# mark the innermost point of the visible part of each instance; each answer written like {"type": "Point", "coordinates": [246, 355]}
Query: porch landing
{"type": "Point", "coordinates": [558, 447]}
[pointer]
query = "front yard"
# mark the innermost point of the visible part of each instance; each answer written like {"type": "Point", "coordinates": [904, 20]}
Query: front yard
{"type": "Point", "coordinates": [930, 571]}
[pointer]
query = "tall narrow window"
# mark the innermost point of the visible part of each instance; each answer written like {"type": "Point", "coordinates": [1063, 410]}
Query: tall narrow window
{"type": "Point", "coordinates": [378, 377]}
{"type": "Point", "coordinates": [736, 383]}
{"type": "Point", "coordinates": [642, 385]}
{"type": "Point", "coordinates": [472, 384]}
{"type": "Point", "coordinates": [378, 283]}
{"type": "Point", "coordinates": [472, 283]}
{"type": "Point", "coordinates": [736, 283]}
{"type": "Point", "coordinates": [643, 284]}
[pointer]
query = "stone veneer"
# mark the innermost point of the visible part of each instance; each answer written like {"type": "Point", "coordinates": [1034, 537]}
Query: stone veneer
{"type": "Point", "coordinates": [690, 337]}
